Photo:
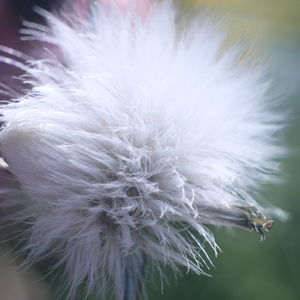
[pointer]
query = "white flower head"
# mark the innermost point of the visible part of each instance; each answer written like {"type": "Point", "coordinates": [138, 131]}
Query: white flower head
{"type": "Point", "coordinates": [132, 138]}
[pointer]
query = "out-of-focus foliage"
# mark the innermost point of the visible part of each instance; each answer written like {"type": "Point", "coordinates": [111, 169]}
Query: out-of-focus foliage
{"type": "Point", "coordinates": [265, 19]}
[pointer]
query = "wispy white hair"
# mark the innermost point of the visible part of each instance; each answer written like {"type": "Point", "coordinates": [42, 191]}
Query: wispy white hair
{"type": "Point", "coordinates": [133, 137]}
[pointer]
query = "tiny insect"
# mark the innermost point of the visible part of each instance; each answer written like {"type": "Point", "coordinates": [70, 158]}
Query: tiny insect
{"type": "Point", "coordinates": [257, 221]}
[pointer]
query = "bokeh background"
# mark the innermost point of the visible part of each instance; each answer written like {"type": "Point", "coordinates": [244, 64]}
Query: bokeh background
{"type": "Point", "coordinates": [247, 268]}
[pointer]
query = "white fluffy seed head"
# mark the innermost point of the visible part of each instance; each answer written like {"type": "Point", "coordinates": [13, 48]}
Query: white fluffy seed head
{"type": "Point", "coordinates": [132, 138]}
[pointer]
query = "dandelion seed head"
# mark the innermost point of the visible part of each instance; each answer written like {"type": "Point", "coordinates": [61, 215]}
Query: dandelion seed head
{"type": "Point", "coordinates": [134, 137]}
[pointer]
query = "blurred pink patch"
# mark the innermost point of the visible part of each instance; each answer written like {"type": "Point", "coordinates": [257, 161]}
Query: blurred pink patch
{"type": "Point", "coordinates": [142, 7]}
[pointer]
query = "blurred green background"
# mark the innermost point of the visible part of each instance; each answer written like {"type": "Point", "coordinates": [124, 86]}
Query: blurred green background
{"type": "Point", "coordinates": [247, 268]}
